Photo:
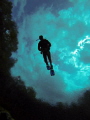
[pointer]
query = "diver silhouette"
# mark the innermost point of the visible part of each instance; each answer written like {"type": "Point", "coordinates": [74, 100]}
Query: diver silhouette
{"type": "Point", "coordinates": [44, 46]}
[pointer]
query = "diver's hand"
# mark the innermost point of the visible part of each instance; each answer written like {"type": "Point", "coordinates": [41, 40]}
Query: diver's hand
{"type": "Point", "coordinates": [41, 52]}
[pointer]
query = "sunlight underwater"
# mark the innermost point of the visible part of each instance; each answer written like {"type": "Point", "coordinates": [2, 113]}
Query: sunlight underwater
{"type": "Point", "coordinates": [69, 34]}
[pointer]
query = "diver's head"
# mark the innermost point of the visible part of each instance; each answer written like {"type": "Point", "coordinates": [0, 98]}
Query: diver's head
{"type": "Point", "coordinates": [41, 37]}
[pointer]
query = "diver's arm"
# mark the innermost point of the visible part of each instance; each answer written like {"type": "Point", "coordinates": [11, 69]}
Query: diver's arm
{"type": "Point", "coordinates": [49, 44]}
{"type": "Point", "coordinates": [39, 47]}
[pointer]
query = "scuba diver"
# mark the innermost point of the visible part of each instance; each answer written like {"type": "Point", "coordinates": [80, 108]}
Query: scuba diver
{"type": "Point", "coordinates": [44, 46]}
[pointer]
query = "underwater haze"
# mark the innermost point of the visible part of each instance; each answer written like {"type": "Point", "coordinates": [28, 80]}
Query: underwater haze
{"type": "Point", "coordinates": [66, 24]}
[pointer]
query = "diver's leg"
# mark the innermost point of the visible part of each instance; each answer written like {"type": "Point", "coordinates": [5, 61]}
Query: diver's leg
{"type": "Point", "coordinates": [45, 58]}
{"type": "Point", "coordinates": [49, 58]}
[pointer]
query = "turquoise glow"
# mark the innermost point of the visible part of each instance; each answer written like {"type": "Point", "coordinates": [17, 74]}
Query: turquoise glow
{"type": "Point", "coordinates": [69, 33]}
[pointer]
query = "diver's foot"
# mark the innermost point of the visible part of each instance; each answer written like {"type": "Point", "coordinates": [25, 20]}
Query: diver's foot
{"type": "Point", "coordinates": [51, 67]}
{"type": "Point", "coordinates": [48, 67]}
